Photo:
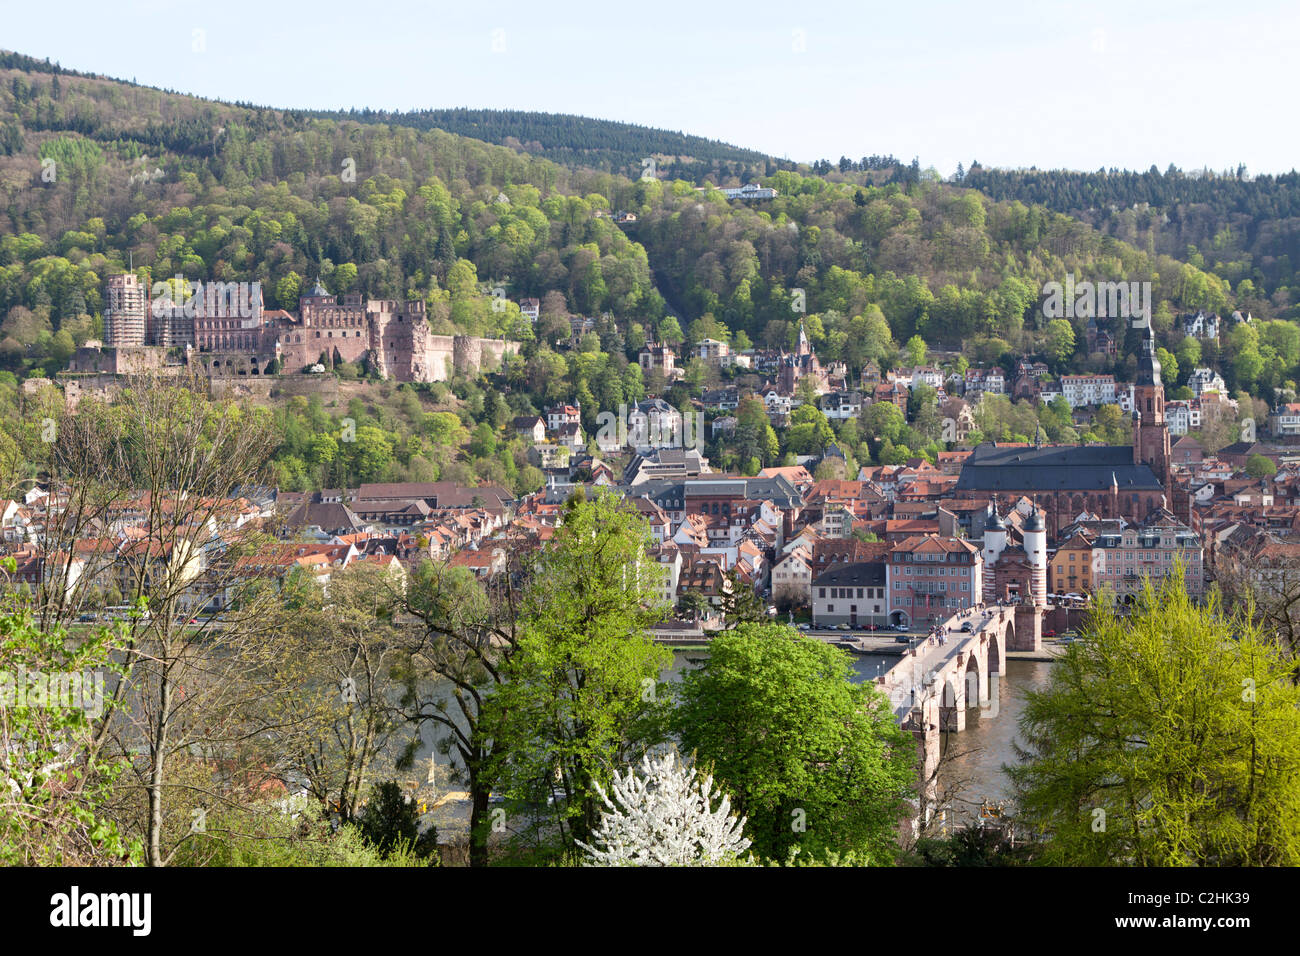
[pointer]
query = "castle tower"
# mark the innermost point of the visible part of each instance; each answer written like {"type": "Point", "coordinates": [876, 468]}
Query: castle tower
{"type": "Point", "coordinates": [1150, 430]}
{"type": "Point", "coordinates": [805, 347]}
{"type": "Point", "coordinates": [126, 312]}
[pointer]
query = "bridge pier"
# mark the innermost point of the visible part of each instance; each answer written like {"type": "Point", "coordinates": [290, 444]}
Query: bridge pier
{"type": "Point", "coordinates": [1026, 630]}
{"type": "Point", "coordinates": [952, 706]}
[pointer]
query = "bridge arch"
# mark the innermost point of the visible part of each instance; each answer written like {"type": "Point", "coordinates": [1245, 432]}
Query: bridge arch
{"type": "Point", "coordinates": [950, 717]}
{"type": "Point", "coordinates": [993, 651]}
{"type": "Point", "coordinates": [972, 678]}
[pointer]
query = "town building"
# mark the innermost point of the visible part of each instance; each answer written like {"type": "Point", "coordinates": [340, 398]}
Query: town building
{"type": "Point", "coordinates": [852, 594]}
{"type": "Point", "coordinates": [1085, 390]}
{"type": "Point", "coordinates": [1151, 549]}
{"type": "Point", "coordinates": [931, 577]}
{"type": "Point", "coordinates": [658, 358]}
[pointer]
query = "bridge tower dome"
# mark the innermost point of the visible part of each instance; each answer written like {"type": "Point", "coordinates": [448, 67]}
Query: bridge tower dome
{"type": "Point", "coordinates": [1035, 538]}
{"type": "Point", "coordinates": [995, 542]}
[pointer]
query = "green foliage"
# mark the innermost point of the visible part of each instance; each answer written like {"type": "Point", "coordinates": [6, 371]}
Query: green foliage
{"type": "Point", "coordinates": [1258, 466]}
{"type": "Point", "coordinates": [56, 786]}
{"type": "Point", "coordinates": [281, 834]}
{"type": "Point", "coordinates": [972, 846]}
{"type": "Point", "coordinates": [1167, 737]}
{"type": "Point", "coordinates": [390, 823]}
{"type": "Point", "coordinates": [815, 761]}
{"type": "Point", "coordinates": [1060, 340]}
{"type": "Point", "coordinates": [741, 604]}
{"type": "Point", "coordinates": [580, 698]}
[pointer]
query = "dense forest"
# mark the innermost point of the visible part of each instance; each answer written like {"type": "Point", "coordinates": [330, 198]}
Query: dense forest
{"type": "Point", "coordinates": [582, 141]}
{"type": "Point", "coordinates": [1245, 229]}
{"type": "Point", "coordinates": [97, 175]}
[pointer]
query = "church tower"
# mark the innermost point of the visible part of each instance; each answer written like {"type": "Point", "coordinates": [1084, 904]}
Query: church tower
{"type": "Point", "coordinates": [1150, 430]}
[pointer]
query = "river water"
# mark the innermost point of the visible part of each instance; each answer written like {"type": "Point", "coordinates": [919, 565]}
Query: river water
{"type": "Point", "coordinates": [972, 776]}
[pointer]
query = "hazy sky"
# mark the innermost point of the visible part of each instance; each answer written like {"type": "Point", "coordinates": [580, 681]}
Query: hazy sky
{"type": "Point", "coordinates": [1076, 85]}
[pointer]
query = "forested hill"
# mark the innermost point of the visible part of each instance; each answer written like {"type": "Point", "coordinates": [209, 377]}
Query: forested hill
{"type": "Point", "coordinates": [582, 141]}
{"type": "Point", "coordinates": [96, 174]}
{"type": "Point", "coordinates": [568, 140]}
{"type": "Point", "coordinates": [1243, 228]}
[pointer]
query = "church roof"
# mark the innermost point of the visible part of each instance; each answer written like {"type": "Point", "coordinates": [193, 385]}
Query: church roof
{"type": "Point", "coordinates": [1055, 468]}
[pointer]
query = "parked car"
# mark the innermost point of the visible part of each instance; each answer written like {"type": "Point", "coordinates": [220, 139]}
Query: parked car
{"type": "Point", "coordinates": [803, 627]}
{"type": "Point", "coordinates": [1049, 633]}
{"type": "Point", "coordinates": [901, 627]}
{"type": "Point", "coordinates": [845, 627]}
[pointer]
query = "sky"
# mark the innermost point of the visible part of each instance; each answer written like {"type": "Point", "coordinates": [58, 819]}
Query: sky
{"type": "Point", "coordinates": [1011, 84]}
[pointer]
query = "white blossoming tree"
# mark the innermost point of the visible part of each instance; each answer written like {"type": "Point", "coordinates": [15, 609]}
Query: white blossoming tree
{"type": "Point", "coordinates": [665, 817]}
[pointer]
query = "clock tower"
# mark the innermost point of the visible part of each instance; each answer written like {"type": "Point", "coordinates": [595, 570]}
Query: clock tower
{"type": "Point", "coordinates": [1150, 429]}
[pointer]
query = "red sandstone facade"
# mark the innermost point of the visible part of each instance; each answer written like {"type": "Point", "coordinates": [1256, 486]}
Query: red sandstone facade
{"type": "Point", "coordinates": [230, 336]}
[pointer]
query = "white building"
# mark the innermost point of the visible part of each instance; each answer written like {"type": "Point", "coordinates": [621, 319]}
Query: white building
{"type": "Point", "coordinates": [989, 381]}
{"type": "Point", "coordinates": [852, 594]}
{"type": "Point", "coordinates": [1202, 326]}
{"type": "Point", "coordinates": [841, 406]}
{"type": "Point", "coordinates": [749, 191]}
{"type": "Point", "coordinates": [1285, 421]}
{"type": "Point", "coordinates": [1205, 380]}
{"type": "Point", "coordinates": [927, 375]}
{"type": "Point", "coordinates": [1183, 416]}
{"type": "Point", "coordinates": [713, 352]}
{"type": "Point", "coordinates": [792, 578]}
{"type": "Point", "coordinates": [1081, 390]}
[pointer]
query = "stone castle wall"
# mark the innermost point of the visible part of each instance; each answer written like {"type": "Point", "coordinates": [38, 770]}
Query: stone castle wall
{"type": "Point", "coordinates": [393, 337]}
{"type": "Point", "coordinates": [120, 360]}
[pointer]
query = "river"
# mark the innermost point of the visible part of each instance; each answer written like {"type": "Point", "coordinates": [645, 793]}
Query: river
{"type": "Point", "coordinates": [974, 775]}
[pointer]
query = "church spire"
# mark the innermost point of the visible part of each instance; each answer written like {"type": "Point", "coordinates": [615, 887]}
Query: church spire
{"type": "Point", "coordinates": [1148, 370]}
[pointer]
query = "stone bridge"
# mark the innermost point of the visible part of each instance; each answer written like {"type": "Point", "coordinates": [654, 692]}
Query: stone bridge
{"type": "Point", "coordinates": [934, 684]}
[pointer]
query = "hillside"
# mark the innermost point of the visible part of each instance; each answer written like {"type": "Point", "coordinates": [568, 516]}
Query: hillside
{"type": "Point", "coordinates": [97, 174]}
{"type": "Point", "coordinates": [1245, 229]}
{"type": "Point", "coordinates": [582, 141]}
